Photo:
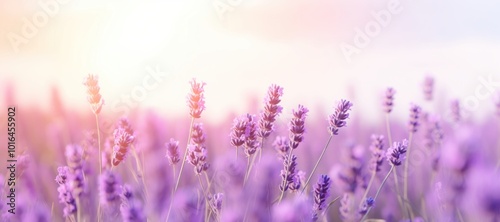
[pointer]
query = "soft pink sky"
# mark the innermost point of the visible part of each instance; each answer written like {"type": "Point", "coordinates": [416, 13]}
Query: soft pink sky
{"type": "Point", "coordinates": [294, 43]}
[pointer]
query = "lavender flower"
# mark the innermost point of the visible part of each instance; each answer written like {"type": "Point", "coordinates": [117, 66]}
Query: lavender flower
{"type": "Point", "coordinates": [288, 173]}
{"type": "Point", "coordinates": [297, 181]}
{"type": "Point", "coordinates": [124, 124]}
{"type": "Point", "coordinates": [197, 134]}
{"type": "Point", "coordinates": [197, 156]}
{"type": "Point", "coordinates": [367, 204]}
{"type": "Point", "coordinates": [197, 152]}
{"type": "Point", "coordinates": [93, 95]}
{"type": "Point", "coordinates": [251, 142]}
{"type": "Point", "coordinates": [428, 88]}
{"type": "Point", "coordinates": [123, 140]}
{"type": "Point", "coordinates": [62, 176]}
{"type": "Point", "coordinates": [238, 131]}
{"type": "Point", "coordinates": [321, 192]}
{"type": "Point", "coordinates": [282, 145]}
{"type": "Point", "coordinates": [66, 197]}
{"type": "Point", "coordinates": [131, 209]}
{"type": "Point", "coordinates": [74, 158]}
{"type": "Point", "coordinates": [346, 211]}
{"type": "Point", "coordinates": [215, 202]}
{"type": "Point", "coordinates": [455, 110]}
{"type": "Point", "coordinates": [173, 151]}
{"type": "Point", "coordinates": [65, 191]}
{"type": "Point", "coordinates": [396, 153]}
{"type": "Point", "coordinates": [389, 100]}
{"type": "Point", "coordinates": [351, 176]}
{"type": "Point", "coordinates": [414, 118]}
{"type": "Point", "coordinates": [377, 148]}
{"type": "Point", "coordinates": [271, 110]}
{"type": "Point", "coordinates": [196, 98]}
{"type": "Point", "coordinates": [108, 188]}
{"type": "Point", "coordinates": [297, 126]}
{"type": "Point", "coordinates": [338, 118]}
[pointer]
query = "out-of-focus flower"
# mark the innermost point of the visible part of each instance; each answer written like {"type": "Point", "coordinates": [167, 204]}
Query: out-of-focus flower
{"type": "Point", "coordinates": [196, 98]}
{"type": "Point", "coordinates": [93, 95]}
{"type": "Point", "coordinates": [173, 151]}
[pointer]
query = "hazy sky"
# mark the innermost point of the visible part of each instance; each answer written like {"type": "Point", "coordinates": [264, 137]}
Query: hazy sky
{"type": "Point", "coordinates": [239, 47]}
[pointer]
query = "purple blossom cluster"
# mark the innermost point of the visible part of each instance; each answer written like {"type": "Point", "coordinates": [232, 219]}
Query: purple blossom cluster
{"type": "Point", "coordinates": [418, 167]}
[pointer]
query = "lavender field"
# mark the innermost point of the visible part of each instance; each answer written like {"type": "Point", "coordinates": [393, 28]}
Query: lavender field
{"type": "Point", "coordinates": [273, 164]}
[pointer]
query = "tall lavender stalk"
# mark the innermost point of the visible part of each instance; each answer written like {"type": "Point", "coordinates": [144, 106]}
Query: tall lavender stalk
{"type": "Point", "coordinates": [377, 148]}
{"type": "Point", "coordinates": [321, 193]}
{"type": "Point", "coordinates": [237, 135]}
{"type": "Point", "coordinates": [297, 127]}
{"type": "Point", "coordinates": [428, 88]}
{"type": "Point", "coordinates": [336, 121]}
{"type": "Point", "coordinates": [288, 174]}
{"type": "Point", "coordinates": [395, 156]}
{"type": "Point", "coordinates": [251, 143]}
{"type": "Point", "coordinates": [65, 191]}
{"type": "Point", "coordinates": [272, 109]}
{"type": "Point", "coordinates": [96, 103]}
{"type": "Point", "coordinates": [413, 125]}
{"type": "Point", "coordinates": [196, 103]}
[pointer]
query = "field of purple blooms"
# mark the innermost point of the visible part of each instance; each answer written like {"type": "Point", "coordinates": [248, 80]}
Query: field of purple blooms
{"type": "Point", "coordinates": [436, 165]}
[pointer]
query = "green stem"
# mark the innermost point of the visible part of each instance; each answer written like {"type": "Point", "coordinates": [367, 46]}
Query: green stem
{"type": "Point", "coordinates": [372, 178]}
{"type": "Point", "coordinates": [316, 165]}
{"type": "Point", "coordinates": [398, 191]}
{"type": "Point", "coordinates": [405, 179]}
{"type": "Point", "coordinates": [185, 155]}
{"type": "Point", "coordinates": [99, 157]}
{"type": "Point", "coordinates": [378, 191]}
{"type": "Point", "coordinates": [388, 127]}
{"type": "Point", "coordinates": [247, 172]}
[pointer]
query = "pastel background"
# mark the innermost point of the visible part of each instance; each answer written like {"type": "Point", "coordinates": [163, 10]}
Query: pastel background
{"type": "Point", "coordinates": [241, 47]}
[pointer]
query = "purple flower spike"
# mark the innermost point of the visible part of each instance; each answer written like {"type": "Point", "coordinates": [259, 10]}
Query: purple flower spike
{"type": "Point", "coordinates": [338, 118]}
{"type": "Point", "coordinates": [428, 88]}
{"type": "Point", "coordinates": [297, 126]}
{"type": "Point", "coordinates": [251, 142]}
{"type": "Point", "coordinates": [238, 131]}
{"type": "Point", "coordinates": [282, 145]}
{"type": "Point", "coordinates": [389, 100]}
{"type": "Point", "coordinates": [197, 134]}
{"type": "Point", "coordinates": [131, 209]}
{"type": "Point", "coordinates": [455, 110]}
{"type": "Point", "coordinates": [288, 173]}
{"type": "Point", "coordinates": [396, 153]}
{"type": "Point", "coordinates": [173, 151]}
{"type": "Point", "coordinates": [321, 193]}
{"type": "Point", "coordinates": [93, 95]}
{"type": "Point", "coordinates": [196, 98]}
{"type": "Point", "coordinates": [197, 156]}
{"type": "Point", "coordinates": [108, 188]}
{"type": "Point", "coordinates": [271, 110]}
{"type": "Point", "coordinates": [377, 148]}
{"type": "Point", "coordinates": [122, 143]}
{"type": "Point", "coordinates": [414, 118]}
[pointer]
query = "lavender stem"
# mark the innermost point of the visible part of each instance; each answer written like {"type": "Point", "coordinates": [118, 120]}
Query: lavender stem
{"type": "Point", "coordinates": [378, 191]}
{"type": "Point", "coordinates": [185, 155]}
{"type": "Point", "coordinates": [316, 165]}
